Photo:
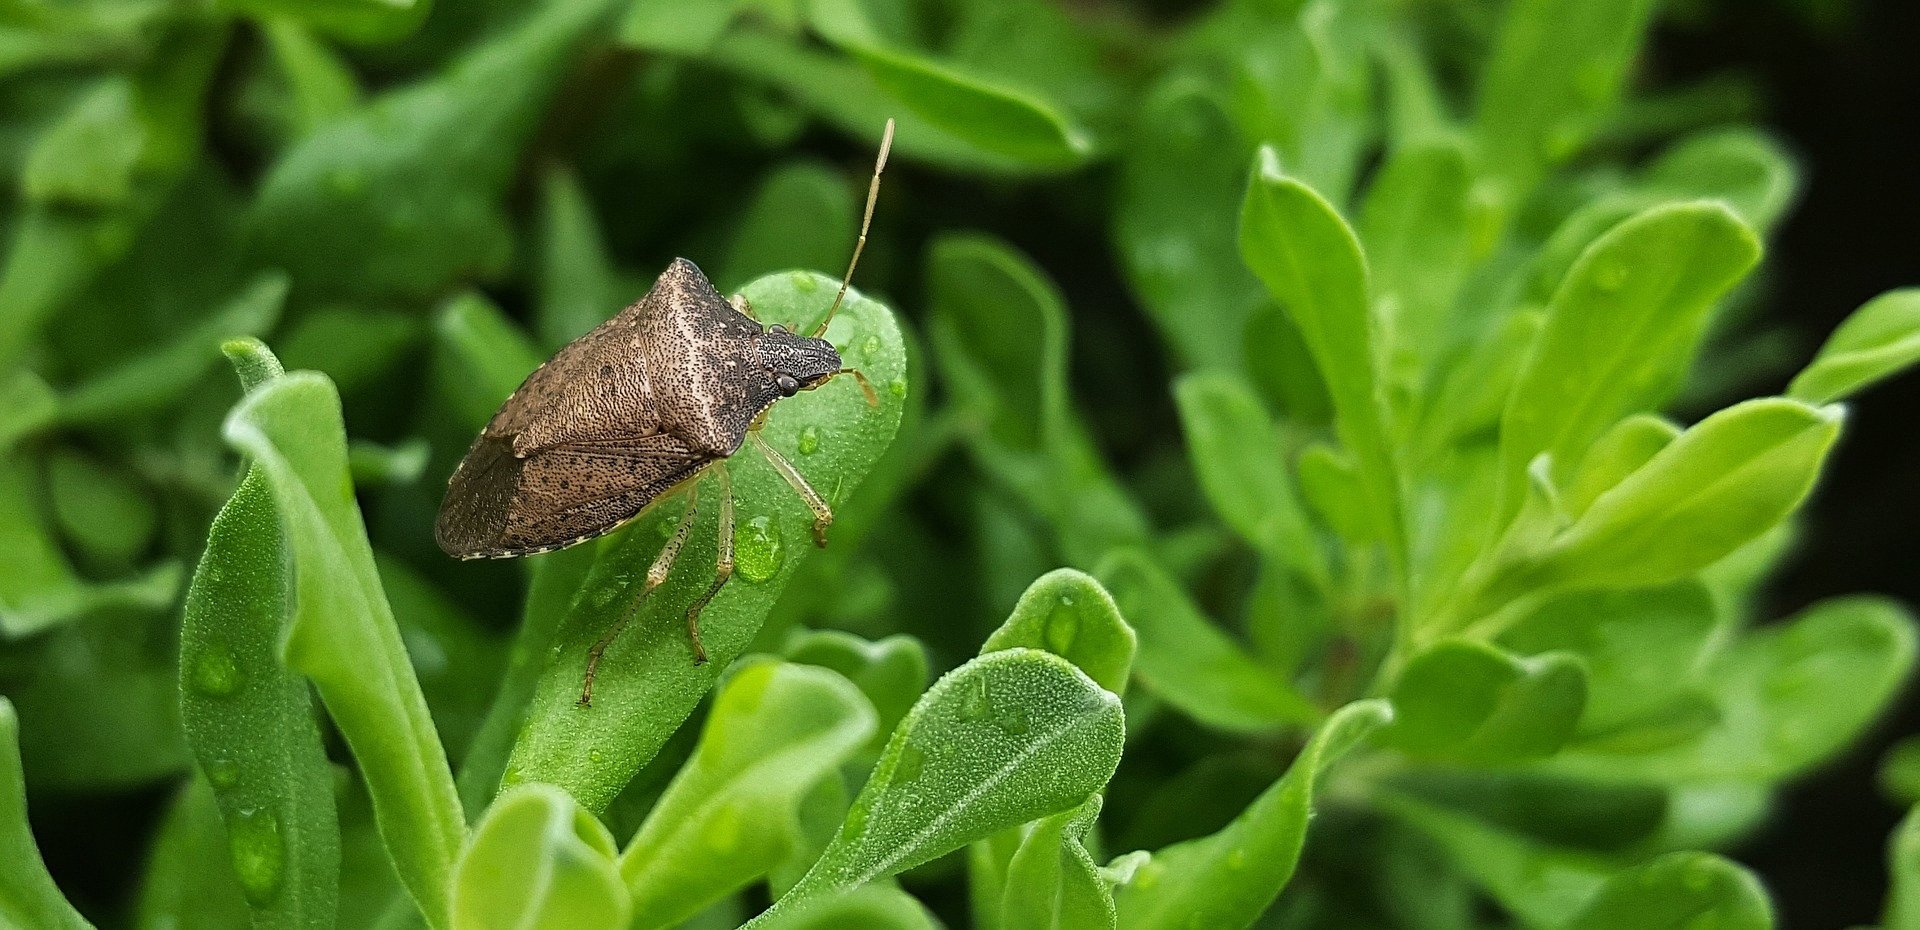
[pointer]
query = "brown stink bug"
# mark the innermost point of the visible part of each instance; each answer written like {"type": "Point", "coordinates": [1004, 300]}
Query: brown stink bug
{"type": "Point", "coordinates": [634, 412]}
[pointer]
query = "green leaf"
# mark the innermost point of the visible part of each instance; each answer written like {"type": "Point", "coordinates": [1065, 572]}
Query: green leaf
{"type": "Point", "coordinates": [364, 21]}
{"type": "Point", "coordinates": [106, 515]}
{"type": "Point", "coordinates": [320, 84]}
{"type": "Point", "coordinates": [732, 813]}
{"type": "Point", "coordinates": [1302, 82]}
{"type": "Point", "coordinates": [250, 721]}
{"type": "Point", "coordinates": [1678, 891]}
{"type": "Point", "coordinates": [1619, 452]}
{"type": "Point", "coordinates": [483, 358]}
{"type": "Point", "coordinates": [579, 287]}
{"type": "Point", "coordinates": [1789, 696]}
{"type": "Point", "coordinates": [1878, 341]}
{"type": "Point", "coordinates": [1007, 738]}
{"type": "Point", "coordinates": [1556, 72]}
{"type": "Point", "coordinates": [189, 882]}
{"type": "Point", "coordinates": [28, 897]}
{"type": "Point", "coordinates": [1544, 886]}
{"type": "Point", "coordinates": [891, 672]}
{"type": "Point", "coordinates": [87, 157]}
{"type": "Point", "coordinates": [1186, 659]}
{"type": "Point", "coordinates": [539, 862]}
{"type": "Point", "coordinates": [1619, 332]}
{"type": "Point", "coordinates": [556, 580]}
{"type": "Point", "coordinates": [1722, 483]}
{"type": "Point", "coordinates": [1000, 334]}
{"type": "Point", "coordinates": [1309, 259]}
{"type": "Point", "coordinates": [397, 191]}
{"type": "Point", "coordinates": [1184, 172]}
{"type": "Point", "coordinates": [1899, 774]}
{"type": "Point", "coordinates": [649, 683]}
{"type": "Point", "coordinates": [999, 118]}
{"type": "Point", "coordinates": [343, 634]}
{"type": "Point", "coordinates": [1236, 453]}
{"type": "Point", "coordinates": [26, 406]}
{"type": "Point", "coordinates": [802, 216]}
{"type": "Point", "coordinates": [156, 379]}
{"type": "Point", "coordinates": [1069, 614]}
{"type": "Point", "coordinates": [40, 589]}
{"type": "Point", "coordinates": [1226, 879]}
{"type": "Point", "coordinates": [1903, 867]}
{"type": "Point", "coordinates": [55, 252]}
{"type": "Point", "coordinates": [1415, 224]}
{"type": "Point", "coordinates": [1470, 702]}
{"type": "Point", "coordinates": [1642, 648]}
{"type": "Point", "coordinates": [1052, 881]}
{"type": "Point", "coordinates": [878, 906]}
{"type": "Point", "coordinates": [685, 27]}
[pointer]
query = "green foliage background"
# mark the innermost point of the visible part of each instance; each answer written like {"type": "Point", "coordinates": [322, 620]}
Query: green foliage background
{"type": "Point", "coordinates": [1375, 544]}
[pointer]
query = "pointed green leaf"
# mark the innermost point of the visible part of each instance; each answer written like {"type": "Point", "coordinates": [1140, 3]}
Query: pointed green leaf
{"type": "Point", "coordinates": [1628, 317]}
{"type": "Point", "coordinates": [1309, 259]}
{"type": "Point", "coordinates": [343, 635]}
{"type": "Point", "coordinates": [1186, 659]}
{"type": "Point", "coordinates": [1470, 702]}
{"type": "Point", "coordinates": [1236, 454]}
{"type": "Point", "coordinates": [1228, 878]}
{"type": "Point", "coordinates": [539, 862]}
{"type": "Point", "coordinates": [28, 897]}
{"type": "Point", "coordinates": [1878, 341]}
{"type": "Point", "coordinates": [250, 722]}
{"type": "Point", "coordinates": [1678, 891]}
{"type": "Point", "coordinates": [1007, 738]}
{"type": "Point", "coordinates": [1618, 452]}
{"type": "Point", "coordinates": [1069, 614]}
{"type": "Point", "coordinates": [1052, 881]}
{"type": "Point", "coordinates": [731, 814]}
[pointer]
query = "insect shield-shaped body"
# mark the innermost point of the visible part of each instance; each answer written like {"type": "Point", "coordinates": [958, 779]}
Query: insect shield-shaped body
{"type": "Point", "coordinates": [636, 411]}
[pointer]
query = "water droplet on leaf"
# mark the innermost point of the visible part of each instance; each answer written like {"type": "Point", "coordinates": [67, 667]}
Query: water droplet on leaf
{"type": "Point", "coordinates": [912, 760]}
{"type": "Point", "coordinates": [897, 387]}
{"type": "Point", "coordinates": [1063, 627]}
{"type": "Point", "coordinates": [222, 773]}
{"type": "Point", "coordinates": [216, 673]}
{"type": "Point", "coordinates": [809, 440]}
{"type": "Point", "coordinates": [259, 857]}
{"type": "Point", "coordinates": [805, 282]}
{"type": "Point", "coordinates": [757, 549]}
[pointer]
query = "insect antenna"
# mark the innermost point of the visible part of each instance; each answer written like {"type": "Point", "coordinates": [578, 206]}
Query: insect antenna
{"type": "Point", "coordinates": [859, 245]}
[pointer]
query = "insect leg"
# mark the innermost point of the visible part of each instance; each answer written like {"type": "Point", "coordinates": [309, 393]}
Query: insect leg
{"type": "Point", "coordinates": [723, 570]}
{"type": "Point", "coordinates": [656, 576]}
{"type": "Point", "coordinates": [822, 514]}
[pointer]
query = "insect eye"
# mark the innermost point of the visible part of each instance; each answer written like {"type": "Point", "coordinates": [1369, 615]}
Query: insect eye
{"type": "Point", "coordinates": [787, 385]}
{"type": "Point", "coordinates": [777, 328]}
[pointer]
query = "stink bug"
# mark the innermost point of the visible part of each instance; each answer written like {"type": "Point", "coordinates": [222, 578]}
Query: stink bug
{"type": "Point", "coordinates": [636, 411]}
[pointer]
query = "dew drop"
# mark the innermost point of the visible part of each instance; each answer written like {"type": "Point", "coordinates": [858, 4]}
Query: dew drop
{"type": "Point", "coordinates": [976, 705]}
{"type": "Point", "coordinates": [216, 673]}
{"type": "Point", "coordinates": [912, 760]}
{"type": "Point", "coordinates": [870, 347]}
{"type": "Point", "coordinates": [897, 387]}
{"type": "Point", "coordinates": [511, 776]}
{"type": "Point", "coordinates": [809, 439]}
{"type": "Point", "coordinates": [222, 773]}
{"type": "Point", "coordinates": [1063, 627]}
{"type": "Point", "coordinates": [757, 549]}
{"type": "Point", "coordinates": [259, 857]}
{"type": "Point", "coordinates": [594, 755]}
{"type": "Point", "coordinates": [1237, 859]}
{"type": "Point", "coordinates": [805, 283]}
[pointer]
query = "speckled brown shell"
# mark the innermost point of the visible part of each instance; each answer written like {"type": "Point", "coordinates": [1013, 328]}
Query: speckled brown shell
{"type": "Point", "coordinates": [615, 420]}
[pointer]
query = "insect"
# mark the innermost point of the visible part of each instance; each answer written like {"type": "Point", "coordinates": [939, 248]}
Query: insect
{"type": "Point", "coordinates": [634, 412]}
